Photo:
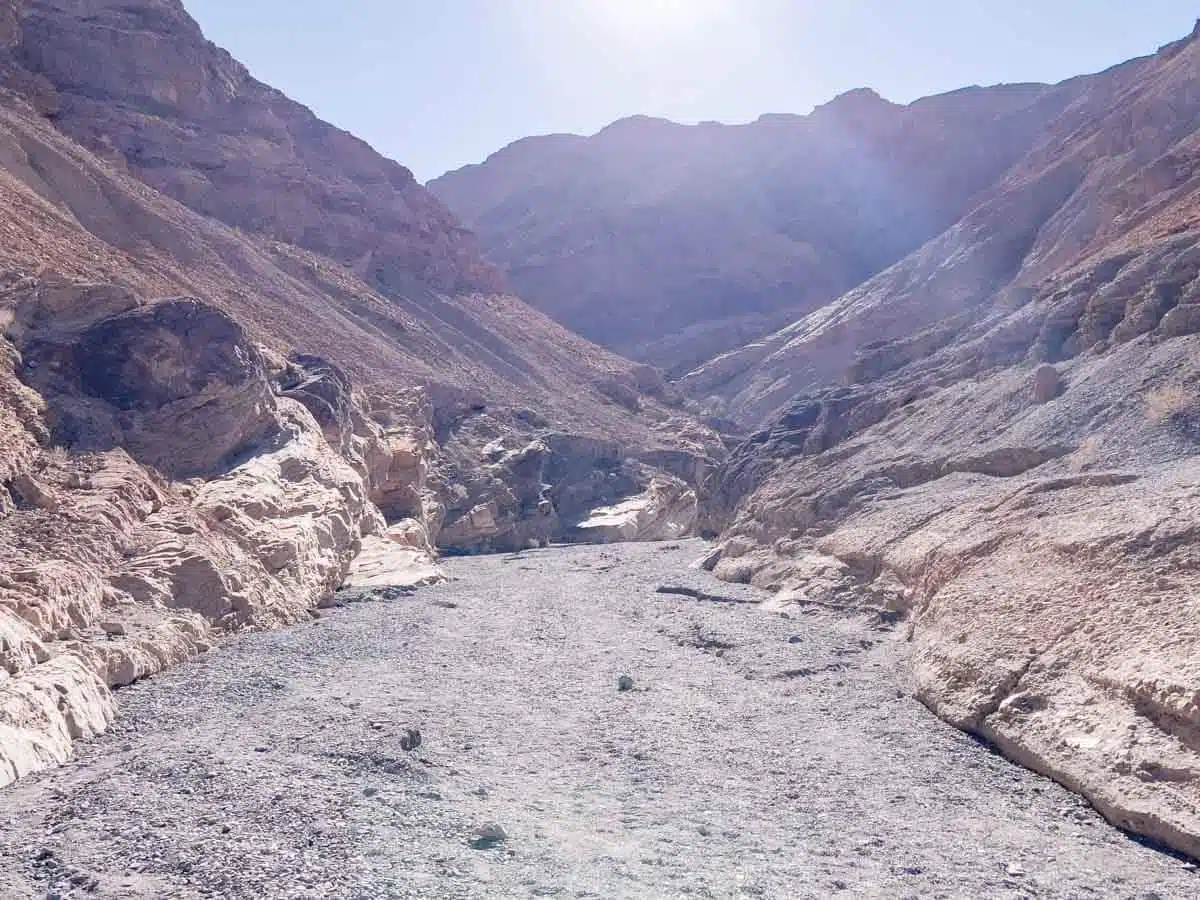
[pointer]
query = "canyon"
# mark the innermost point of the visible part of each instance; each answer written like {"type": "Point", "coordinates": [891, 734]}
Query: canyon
{"type": "Point", "coordinates": [215, 405]}
{"type": "Point", "coordinates": [928, 372]}
{"type": "Point", "coordinates": [994, 436]}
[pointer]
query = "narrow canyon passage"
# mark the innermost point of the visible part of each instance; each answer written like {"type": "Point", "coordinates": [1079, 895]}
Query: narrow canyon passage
{"type": "Point", "coordinates": [758, 754]}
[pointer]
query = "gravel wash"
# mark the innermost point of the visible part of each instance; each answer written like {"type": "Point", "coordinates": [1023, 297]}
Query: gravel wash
{"type": "Point", "coordinates": [581, 736]}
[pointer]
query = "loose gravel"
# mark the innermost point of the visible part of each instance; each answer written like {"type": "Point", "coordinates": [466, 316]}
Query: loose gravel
{"type": "Point", "coordinates": [549, 725]}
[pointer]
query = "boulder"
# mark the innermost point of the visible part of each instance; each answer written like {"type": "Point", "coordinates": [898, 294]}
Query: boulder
{"type": "Point", "coordinates": [666, 510]}
{"type": "Point", "coordinates": [151, 379]}
{"type": "Point", "coordinates": [1047, 384]}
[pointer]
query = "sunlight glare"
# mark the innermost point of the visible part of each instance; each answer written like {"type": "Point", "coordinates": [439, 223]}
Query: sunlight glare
{"type": "Point", "coordinates": [657, 20]}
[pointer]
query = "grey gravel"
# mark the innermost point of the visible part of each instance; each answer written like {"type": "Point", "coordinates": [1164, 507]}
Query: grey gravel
{"type": "Point", "coordinates": [746, 764]}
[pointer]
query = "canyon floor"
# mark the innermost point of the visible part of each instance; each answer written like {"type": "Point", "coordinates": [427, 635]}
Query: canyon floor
{"type": "Point", "coordinates": [759, 753]}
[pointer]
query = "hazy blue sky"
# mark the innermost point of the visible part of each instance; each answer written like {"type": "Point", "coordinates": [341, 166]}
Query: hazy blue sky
{"type": "Point", "coordinates": [437, 84]}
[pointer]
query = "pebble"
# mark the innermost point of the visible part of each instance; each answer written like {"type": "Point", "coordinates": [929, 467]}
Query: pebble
{"type": "Point", "coordinates": [488, 836]}
{"type": "Point", "coordinates": [411, 739]}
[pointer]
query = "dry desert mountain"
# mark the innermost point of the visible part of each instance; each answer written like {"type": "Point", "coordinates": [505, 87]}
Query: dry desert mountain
{"type": "Point", "coordinates": [934, 366]}
{"type": "Point", "coordinates": [673, 243]}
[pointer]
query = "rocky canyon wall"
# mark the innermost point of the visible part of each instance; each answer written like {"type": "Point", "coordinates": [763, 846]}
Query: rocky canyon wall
{"type": "Point", "coordinates": [196, 499]}
{"type": "Point", "coordinates": [996, 442]}
{"type": "Point", "coordinates": [245, 360]}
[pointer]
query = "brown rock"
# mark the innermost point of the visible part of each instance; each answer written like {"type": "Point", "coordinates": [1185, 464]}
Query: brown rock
{"type": "Point", "coordinates": [1047, 384]}
{"type": "Point", "coordinates": [33, 493]}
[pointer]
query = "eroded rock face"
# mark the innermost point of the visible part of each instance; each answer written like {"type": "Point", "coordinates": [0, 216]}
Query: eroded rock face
{"type": "Point", "coordinates": [110, 570]}
{"type": "Point", "coordinates": [167, 481]}
{"type": "Point", "coordinates": [1044, 554]}
{"type": "Point", "coordinates": [177, 383]}
{"type": "Point", "coordinates": [997, 441]}
{"type": "Point", "coordinates": [507, 487]}
{"type": "Point", "coordinates": [666, 510]}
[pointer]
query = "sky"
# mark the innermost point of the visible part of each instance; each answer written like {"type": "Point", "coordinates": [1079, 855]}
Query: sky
{"type": "Point", "coordinates": [437, 84]}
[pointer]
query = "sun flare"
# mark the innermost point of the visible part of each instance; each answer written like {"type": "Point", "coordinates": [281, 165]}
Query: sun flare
{"type": "Point", "coordinates": [652, 20]}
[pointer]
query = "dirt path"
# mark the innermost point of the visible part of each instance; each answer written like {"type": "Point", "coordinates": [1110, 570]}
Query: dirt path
{"type": "Point", "coordinates": [757, 756]}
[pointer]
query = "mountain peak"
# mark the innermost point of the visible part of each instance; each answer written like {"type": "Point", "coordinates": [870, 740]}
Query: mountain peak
{"type": "Point", "coordinates": [638, 124]}
{"type": "Point", "coordinates": [855, 103]}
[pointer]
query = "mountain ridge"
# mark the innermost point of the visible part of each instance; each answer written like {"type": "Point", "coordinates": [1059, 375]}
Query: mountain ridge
{"type": "Point", "coordinates": [765, 220]}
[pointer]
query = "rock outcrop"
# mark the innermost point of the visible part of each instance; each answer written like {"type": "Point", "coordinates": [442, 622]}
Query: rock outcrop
{"type": "Point", "coordinates": [507, 488]}
{"type": "Point", "coordinates": [111, 570]}
{"type": "Point", "coordinates": [167, 481]}
{"type": "Point", "coordinates": [998, 441]}
{"type": "Point", "coordinates": [665, 511]}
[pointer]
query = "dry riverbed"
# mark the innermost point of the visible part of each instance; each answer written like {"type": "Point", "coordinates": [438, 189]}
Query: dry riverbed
{"type": "Point", "coordinates": [757, 754]}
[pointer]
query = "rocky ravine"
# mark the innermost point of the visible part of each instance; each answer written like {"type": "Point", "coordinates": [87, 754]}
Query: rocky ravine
{"type": "Point", "coordinates": [755, 756]}
{"type": "Point", "coordinates": [239, 351]}
{"type": "Point", "coordinates": [217, 407]}
{"type": "Point", "coordinates": [211, 486]}
{"type": "Point", "coordinates": [995, 435]}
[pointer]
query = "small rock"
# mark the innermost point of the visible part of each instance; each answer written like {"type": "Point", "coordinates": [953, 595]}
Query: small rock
{"type": "Point", "coordinates": [624, 683]}
{"type": "Point", "coordinates": [1047, 384]}
{"type": "Point", "coordinates": [795, 639]}
{"type": "Point", "coordinates": [113, 629]}
{"type": "Point", "coordinates": [370, 791]}
{"type": "Point", "coordinates": [411, 739]}
{"type": "Point", "coordinates": [377, 726]}
{"type": "Point", "coordinates": [488, 836]}
{"type": "Point", "coordinates": [1014, 871]}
